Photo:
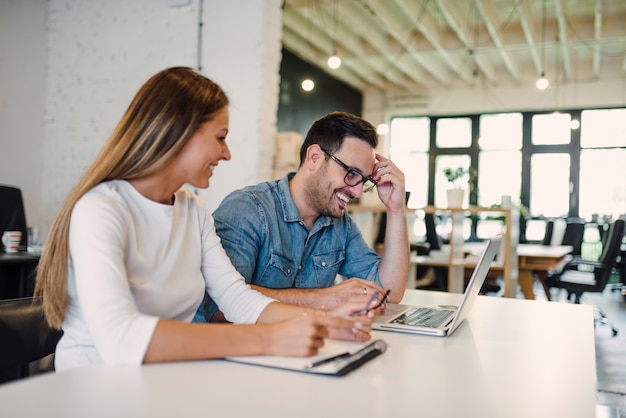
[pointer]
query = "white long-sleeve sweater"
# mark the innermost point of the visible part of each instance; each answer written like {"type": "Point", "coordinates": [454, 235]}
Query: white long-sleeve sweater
{"type": "Point", "coordinates": [133, 261]}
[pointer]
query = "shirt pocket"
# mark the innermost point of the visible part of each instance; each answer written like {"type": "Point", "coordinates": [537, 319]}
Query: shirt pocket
{"type": "Point", "coordinates": [327, 266]}
{"type": "Point", "coordinates": [280, 272]}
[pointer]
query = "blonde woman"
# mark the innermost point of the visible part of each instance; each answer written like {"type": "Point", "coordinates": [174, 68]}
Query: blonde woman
{"type": "Point", "coordinates": [131, 251]}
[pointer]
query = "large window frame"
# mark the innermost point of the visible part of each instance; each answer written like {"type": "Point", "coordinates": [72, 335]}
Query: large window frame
{"type": "Point", "coordinates": [528, 150]}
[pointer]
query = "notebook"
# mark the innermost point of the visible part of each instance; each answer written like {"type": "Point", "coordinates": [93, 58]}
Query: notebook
{"type": "Point", "coordinates": [336, 358]}
{"type": "Point", "coordinates": [441, 320]}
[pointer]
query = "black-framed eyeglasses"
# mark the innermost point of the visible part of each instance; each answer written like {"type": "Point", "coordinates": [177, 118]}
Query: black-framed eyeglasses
{"type": "Point", "coordinates": [353, 176]}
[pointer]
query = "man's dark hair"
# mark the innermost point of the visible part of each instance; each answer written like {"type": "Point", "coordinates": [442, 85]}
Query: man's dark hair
{"type": "Point", "coordinates": [329, 132]}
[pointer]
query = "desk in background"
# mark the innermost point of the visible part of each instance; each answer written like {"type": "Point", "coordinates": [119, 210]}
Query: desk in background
{"type": "Point", "coordinates": [532, 259]}
{"type": "Point", "coordinates": [495, 365]}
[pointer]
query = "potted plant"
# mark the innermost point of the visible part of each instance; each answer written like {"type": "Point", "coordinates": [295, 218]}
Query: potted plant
{"type": "Point", "coordinates": [456, 178]}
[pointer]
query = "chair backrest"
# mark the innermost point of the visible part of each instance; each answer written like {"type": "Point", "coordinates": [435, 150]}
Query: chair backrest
{"type": "Point", "coordinates": [12, 215]}
{"type": "Point", "coordinates": [432, 237]}
{"type": "Point", "coordinates": [612, 245]}
{"type": "Point", "coordinates": [574, 233]}
{"type": "Point", "coordinates": [547, 237]}
{"type": "Point", "coordinates": [24, 334]}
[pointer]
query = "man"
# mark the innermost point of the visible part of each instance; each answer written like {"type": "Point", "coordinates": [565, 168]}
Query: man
{"type": "Point", "coordinates": [290, 238]}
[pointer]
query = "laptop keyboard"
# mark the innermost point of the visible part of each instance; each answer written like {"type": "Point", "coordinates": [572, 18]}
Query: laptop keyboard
{"type": "Point", "coordinates": [424, 317]}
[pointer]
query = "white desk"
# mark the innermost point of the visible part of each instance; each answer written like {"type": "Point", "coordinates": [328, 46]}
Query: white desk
{"type": "Point", "coordinates": [541, 363]}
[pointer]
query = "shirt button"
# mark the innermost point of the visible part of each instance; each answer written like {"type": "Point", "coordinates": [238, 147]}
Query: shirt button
{"type": "Point", "coordinates": [288, 271]}
{"type": "Point", "coordinates": [299, 267]}
{"type": "Point", "coordinates": [323, 263]}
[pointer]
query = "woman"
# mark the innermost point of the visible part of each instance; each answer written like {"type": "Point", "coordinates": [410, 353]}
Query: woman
{"type": "Point", "coordinates": [131, 251]}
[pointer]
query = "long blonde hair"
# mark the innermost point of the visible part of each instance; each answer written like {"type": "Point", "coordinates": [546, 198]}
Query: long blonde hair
{"type": "Point", "coordinates": [161, 118]}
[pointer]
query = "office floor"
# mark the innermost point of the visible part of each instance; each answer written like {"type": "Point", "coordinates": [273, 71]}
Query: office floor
{"type": "Point", "coordinates": [610, 351]}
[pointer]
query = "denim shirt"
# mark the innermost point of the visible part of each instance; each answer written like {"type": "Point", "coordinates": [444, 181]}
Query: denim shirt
{"type": "Point", "coordinates": [269, 244]}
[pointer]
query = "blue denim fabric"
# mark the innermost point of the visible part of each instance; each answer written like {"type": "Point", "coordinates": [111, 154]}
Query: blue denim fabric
{"type": "Point", "coordinates": [269, 244]}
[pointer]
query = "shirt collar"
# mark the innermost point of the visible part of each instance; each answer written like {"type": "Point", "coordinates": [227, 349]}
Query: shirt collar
{"type": "Point", "coordinates": [290, 212]}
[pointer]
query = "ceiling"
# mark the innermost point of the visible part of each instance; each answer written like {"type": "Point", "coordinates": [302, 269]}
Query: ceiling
{"type": "Point", "coordinates": [408, 48]}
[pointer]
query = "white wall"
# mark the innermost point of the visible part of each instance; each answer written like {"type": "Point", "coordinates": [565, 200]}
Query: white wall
{"type": "Point", "coordinates": [22, 87]}
{"type": "Point", "coordinates": [98, 54]}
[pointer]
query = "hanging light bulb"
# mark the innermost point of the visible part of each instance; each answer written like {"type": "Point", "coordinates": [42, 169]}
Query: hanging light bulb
{"type": "Point", "coordinates": [308, 85]}
{"type": "Point", "coordinates": [574, 124]}
{"type": "Point", "coordinates": [334, 62]}
{"type": "Point", "coordinates": [542, 82]}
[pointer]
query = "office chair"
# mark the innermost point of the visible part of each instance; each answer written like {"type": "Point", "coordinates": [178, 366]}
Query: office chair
{"type": "Point", "coordinates": [574, 233]}
{"type": "Point", "coordinates": [12, 215]}
{"type": "Point", "coordinates": [25, 337]}
{"type": "Point", "coordinates": [435, 243]}
{"type": "Point", "coordinates": [547, 237]}
{"type": "Point", "coordinates": [579, 276]}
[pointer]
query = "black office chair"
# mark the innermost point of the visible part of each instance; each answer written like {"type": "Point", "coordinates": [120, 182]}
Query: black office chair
{"type": "Point", "coordinates": [574, 233]}
{"type": "Point", "coordinates": [547, 237]}
{"type": "Point", "coordinates": [24, 337]}
{"type": "Point", "coordinates": [12, 218]}
{"type": "Point", "coordinates": [435, 243]}
{"type": "Point", "coordinates": [12, 215]}
{"type": "Point", "coordinates": [579, 276]}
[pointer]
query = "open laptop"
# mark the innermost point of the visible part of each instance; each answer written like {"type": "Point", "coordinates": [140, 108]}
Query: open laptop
{"type": "Point", "coordinates": [442, 320]}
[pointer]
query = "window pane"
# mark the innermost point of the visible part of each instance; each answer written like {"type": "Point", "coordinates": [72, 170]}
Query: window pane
{"type": "Point", "coordinates": [409, 144]}
{"type": "Point", "coordinates": [501, 131]}
{"type": "Point", "coordinates": [454, 132]}
{"type": "Point", "coordinates": [441, 183]}
{"type": "Point", "coordinates": [549, 185]}
{"type": "Point", "coordinates": [553, 128]}
{"type": "Point", "coordinates": [415, 168]}
{"type": "Point", "coordinates": [500, 174]}
{"type": "Point", "coordinates": [602, 174]}
{"type": "Point", "coordinates": [409, 135]}
{"type": "Point", "coordinates": [603, 128]}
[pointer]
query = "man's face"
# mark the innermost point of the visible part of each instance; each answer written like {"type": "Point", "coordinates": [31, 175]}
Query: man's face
{"type": "Point", "coordinates": [327, 192]}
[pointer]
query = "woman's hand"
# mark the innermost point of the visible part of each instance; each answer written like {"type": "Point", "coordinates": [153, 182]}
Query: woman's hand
{"type": "Point", "coordinates": [360, 319]}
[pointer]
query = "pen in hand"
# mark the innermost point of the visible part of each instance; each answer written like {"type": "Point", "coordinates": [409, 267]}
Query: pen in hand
{"type": "Point", "coordinates": [364, 310]}
{"type": "Point", "coordinates": [367, 308]}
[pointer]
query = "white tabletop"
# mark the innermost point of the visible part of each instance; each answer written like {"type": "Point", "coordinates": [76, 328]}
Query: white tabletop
{"type": "Point", "coordinates": [511, 358]}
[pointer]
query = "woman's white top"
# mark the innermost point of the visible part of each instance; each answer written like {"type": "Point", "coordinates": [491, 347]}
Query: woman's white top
{"type": "Point", "coordinates": [133, 261]}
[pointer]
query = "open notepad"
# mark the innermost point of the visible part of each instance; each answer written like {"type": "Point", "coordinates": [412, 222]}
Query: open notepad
{"type": "Point", "coordinates": [351, 356]}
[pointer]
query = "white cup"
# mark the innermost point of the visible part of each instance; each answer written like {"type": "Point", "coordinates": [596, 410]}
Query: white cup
{"type": "Point", "coordinates": [11, 241]}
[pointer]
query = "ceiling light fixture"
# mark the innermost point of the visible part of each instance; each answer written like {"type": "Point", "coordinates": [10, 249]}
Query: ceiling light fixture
{"type": "Point", "coordinates": [308, 84]}
{"type": "Point", "coordinates": [382, 129]}
{"type": "Point", "coordinates": [543, 83]}
{"type": "Point", "coordinates": [334, 61]}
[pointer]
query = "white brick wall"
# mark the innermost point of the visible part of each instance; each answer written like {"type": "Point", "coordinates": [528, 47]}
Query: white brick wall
{"type": "Point", "coordinates": [101, 51]}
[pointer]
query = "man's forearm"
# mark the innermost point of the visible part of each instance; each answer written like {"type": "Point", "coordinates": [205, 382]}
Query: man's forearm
{"type": "Point", "coordinates": [394, 265]}
{"type": "Point", "coordinates": [312, 298]}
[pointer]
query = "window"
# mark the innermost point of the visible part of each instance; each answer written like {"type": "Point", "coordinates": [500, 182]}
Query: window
{"type": "Point", "coordinates": [603, 162]}
{"type": "Point", "coordinates": [454, 132]}
{"type": "Point", "coordinates": [500, 157]}
{"type": "Point", "coordinates": [549, 185]}
{"type": "Point", "coordinates": [409, 151]}
{"type": "Point", "coordinates": [542, 160]}
{"type": "Point", "coordinates": [441, 183]}
{"type": "Point", "coordinates": [552, 128]}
